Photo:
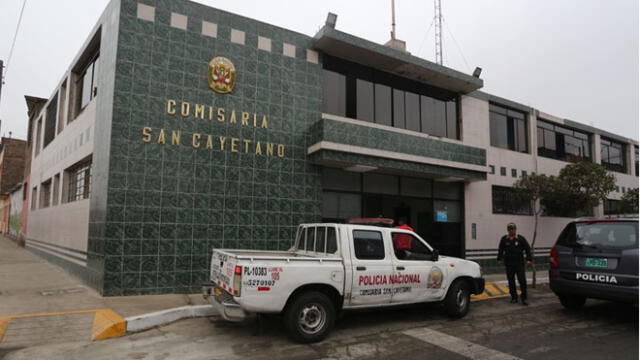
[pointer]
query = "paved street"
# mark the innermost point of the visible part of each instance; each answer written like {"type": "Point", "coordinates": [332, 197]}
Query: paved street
{"type": "Point", "coordinates": [494, 329]}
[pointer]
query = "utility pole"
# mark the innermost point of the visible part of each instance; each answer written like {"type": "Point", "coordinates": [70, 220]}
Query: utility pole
{"type": "Point", "coordinates": [438, 21]}
{"type": "Point", "coordinates": [1, 77]}
{"type": "Point", "coordinates": [1, 82]}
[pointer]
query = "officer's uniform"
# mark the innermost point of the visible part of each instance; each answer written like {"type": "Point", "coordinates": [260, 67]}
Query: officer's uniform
{"type": "Point", "coordinates": [510, 251]}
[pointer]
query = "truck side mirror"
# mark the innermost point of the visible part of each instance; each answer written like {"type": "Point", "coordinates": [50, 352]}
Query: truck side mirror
{"type": "Point", "coordinates": [435, 255]}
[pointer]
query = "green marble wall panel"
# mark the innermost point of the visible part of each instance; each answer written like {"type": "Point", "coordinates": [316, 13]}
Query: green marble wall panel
{"type": "Point", "coordinates": [169, 205]}
{"type": "Point", "coordinates": [365, 136]}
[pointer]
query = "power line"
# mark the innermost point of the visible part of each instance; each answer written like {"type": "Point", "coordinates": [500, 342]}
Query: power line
{"type": "Point", "coordinates": [15, 36]}
{"type": "Point", "coordinates": [458, 46]}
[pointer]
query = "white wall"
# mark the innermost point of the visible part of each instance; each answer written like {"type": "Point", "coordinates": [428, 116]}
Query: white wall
{"type": "Point", "coordinates": [63, 224]}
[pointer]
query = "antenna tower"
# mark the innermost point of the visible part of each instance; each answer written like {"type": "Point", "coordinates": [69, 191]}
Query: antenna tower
{"type": "Point", "coordinates": [438, 20]}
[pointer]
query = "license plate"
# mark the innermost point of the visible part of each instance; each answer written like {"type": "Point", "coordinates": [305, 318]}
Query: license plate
{"type": "Point", "coordinates": [596, 262]}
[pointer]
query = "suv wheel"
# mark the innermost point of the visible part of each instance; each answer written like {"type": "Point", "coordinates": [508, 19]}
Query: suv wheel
{"type": "Point", "coordinates": [456, 303]}
{"type": "Point", "coordinates": [310, 317]}
{"type": "Point", "coordinates": [572, 302]}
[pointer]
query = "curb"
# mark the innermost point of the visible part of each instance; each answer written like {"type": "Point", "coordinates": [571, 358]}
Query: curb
{"type": "Point", "coordinates": [544, 280]}
{"type": "Point", "coordinates": [106, 322]}
{"type": "Point", "coordinates": [147, 321]}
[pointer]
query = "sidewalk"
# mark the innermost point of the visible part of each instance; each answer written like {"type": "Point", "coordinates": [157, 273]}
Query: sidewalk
{"type": "Point", "coordinates": [40, 303]}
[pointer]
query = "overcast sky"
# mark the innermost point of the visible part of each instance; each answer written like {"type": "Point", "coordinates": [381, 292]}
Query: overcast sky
{"type": "Point", "coordinates": [575, 59]}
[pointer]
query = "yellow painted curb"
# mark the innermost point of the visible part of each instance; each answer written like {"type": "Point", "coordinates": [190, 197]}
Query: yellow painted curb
{"type": "Point", "coordinates": [4, 322]}
{"type": "Point", "coordinates": [107, 324]}
{"type": "Point", "coordinates": [492, 290]}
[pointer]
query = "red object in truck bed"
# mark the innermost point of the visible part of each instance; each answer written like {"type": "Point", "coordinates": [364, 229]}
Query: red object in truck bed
{"type": "Point", "coordinates": [371, 221]}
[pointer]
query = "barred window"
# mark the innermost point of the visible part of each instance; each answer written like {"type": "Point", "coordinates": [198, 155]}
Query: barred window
{"type": "Point", "coordinates": [45, 194]}
{"type": "Point", "coordinates": [79, 181]}
{"type": "Point", "coordinates": [508, 200]}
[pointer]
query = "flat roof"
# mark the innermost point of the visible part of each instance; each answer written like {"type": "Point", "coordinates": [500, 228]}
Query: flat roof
{"type": "Point", "coordinates": [339, 44]}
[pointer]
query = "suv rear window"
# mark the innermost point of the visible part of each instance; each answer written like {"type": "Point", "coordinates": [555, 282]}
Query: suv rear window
{"type": "Point", "coordinates": [617, 234]}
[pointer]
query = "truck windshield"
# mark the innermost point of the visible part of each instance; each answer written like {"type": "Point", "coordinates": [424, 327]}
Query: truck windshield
{"type": "Point", "coordinates": [623, 234]}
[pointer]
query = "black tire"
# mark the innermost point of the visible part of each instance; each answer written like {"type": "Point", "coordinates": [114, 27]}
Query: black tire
{"type": "Point", "coordinates": [456, 304]}
{"type": "Point", "coordinates": [310, 317]}
{"type": "Point", "coordinates": [572, 302]}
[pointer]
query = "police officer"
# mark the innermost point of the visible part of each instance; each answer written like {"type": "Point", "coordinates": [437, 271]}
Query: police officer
{"type": "Point", "coordinates": [510, 252]}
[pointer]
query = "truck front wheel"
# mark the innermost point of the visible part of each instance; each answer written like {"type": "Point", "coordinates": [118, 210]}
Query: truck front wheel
{"type": "Point", "coordinates": [310, 317]}
{"type": "Point", "coordinates": [457, 301]}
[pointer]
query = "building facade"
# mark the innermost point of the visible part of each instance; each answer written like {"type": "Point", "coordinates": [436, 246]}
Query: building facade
{"type": "Point", "coordinates": [180, 128]}
{"type": "Point", "coordinates": [12, 157]}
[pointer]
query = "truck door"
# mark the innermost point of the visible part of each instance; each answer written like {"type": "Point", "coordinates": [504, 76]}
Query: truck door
{"type": "Point", "coordinates": [371, 268]}
{"type": "Point", "coordinates": [416, 277]}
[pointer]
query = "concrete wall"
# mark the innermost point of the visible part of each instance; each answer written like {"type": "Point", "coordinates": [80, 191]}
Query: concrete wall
{"type": "Point", "coordinates": [64, 224]}
{"type": "Point", "coordinates": [15, 216]}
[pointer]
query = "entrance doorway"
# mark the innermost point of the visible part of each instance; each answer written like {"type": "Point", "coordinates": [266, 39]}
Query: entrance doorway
{"type": "Point", "coordinates": [433, 209]}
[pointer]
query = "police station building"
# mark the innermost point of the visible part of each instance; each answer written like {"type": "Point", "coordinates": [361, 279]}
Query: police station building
{"type": "Point", "coordinates": [179, 128]}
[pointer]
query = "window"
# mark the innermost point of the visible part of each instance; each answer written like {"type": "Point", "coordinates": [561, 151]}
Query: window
{"type": "Point", "coordinates": [412, 108]}
{"type": "Point", "coordinates": [79, 181]}
{"type": "Point", "coordinates": [364, 102]}
{"type": "Point", "coordinates": [408, 247]}
{"type": "Point", "coordinates": [438, 117]}
{"type": "Point", "coordinates": [334, 93]}
{"type": "Point", "coordinates": [635, 148]}
{"type": "Point", "coordinates": [508, 128]}
{"type": "Point", "coordinates": [398, 109]}
{"type": "Point", "coordinates": [368, 245]}
{"type": "Point", "coordinates": [50, 124]}
{"type": "Point", "coordinates": [380, 184]}
{"type": "Point", "coordinates": [63, 99]}
{"type": "Point", "coordinates": [45, 194]}
{"type": "Point", "coordinates": [356, 91]}
{"type": "Point", "coordinates": [310, 239]}
{"type": "Point", "coordinates": [613, 155]}
{"type": "Point", "coordinates": [25, 189]}
{"type": "Point", "coordinates": [88, 82]}
{"type": "Point", "coordinates": [320, 239]}
{"type": "Point", "coordinates": [56, 190]}
{"type": "Point", "coordinates": [332, 241]}
{"type": "Point", "coordinates": [38, 133]}
{"type": "Point", "coordinates": [620, 234]}
{"type": "Point", "coordinates": [383, 104]}
{"type": "Point", "coordinates": [336, 179]}
{"type": "Point", "coordinates": [337, 206]}
{"type": "Point", "coordinates": [612, 207]}
{"type": "Point", "coordinates": [34, 199]}
{"type": "Point", "coordinates": [508, 200]}
{"type": "Point", "coordinates": [558, 142]}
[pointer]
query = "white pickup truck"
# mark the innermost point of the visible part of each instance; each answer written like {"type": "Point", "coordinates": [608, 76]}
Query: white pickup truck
{"type": "Point", "coordinates": [335, 267]}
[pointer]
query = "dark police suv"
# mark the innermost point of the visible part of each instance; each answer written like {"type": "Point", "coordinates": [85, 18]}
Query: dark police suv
{"type": "Point", "coordinates": [596, 258]}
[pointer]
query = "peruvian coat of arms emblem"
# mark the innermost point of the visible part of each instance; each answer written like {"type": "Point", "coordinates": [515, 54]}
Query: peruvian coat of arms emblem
{"type": "Point", "coordinates": [222, 75]}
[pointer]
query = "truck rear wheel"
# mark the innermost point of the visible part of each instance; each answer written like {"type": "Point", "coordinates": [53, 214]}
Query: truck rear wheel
{"type": "Point", "coordinates": [457, 301]}
{"type": "Point", "coordinates": [310, 317]}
